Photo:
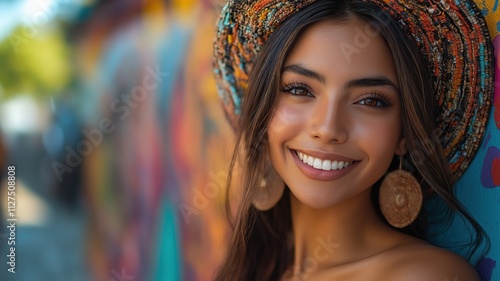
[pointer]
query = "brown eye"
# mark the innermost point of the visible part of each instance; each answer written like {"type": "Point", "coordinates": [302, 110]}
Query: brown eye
{"type": "Point", "coordinates": [375, 100]}
{"type": "Point", "coordinates": [371, 102]}
{"type": "Point", "coordinates": [298, 90]}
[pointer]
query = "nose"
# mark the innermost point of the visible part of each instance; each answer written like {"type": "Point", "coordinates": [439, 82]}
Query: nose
{"type": "Point", "coordinates": [329, 122]}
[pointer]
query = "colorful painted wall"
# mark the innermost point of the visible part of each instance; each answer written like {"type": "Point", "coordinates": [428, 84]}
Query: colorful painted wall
{"type": "Point", "coordinates": [156, 185]}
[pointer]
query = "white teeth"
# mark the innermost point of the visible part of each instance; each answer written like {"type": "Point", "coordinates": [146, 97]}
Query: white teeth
{"type": "Point", "coordinates": [310, 160]}
{"type": "Point", "coordinates": [318, 163]}
{"type": "Point", "coordinates": [326, 165]}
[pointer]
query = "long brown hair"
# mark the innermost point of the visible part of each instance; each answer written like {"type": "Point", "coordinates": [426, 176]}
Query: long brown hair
{"type": "Point", "coordinates": [261, 246]}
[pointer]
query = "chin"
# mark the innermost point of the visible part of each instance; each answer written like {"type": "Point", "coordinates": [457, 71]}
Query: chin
{"type": "Point", "coordinates": [317, 200]}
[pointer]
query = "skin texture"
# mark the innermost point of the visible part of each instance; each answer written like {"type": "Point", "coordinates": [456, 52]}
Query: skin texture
{"type": "Point", "coordinates": [323, 111]}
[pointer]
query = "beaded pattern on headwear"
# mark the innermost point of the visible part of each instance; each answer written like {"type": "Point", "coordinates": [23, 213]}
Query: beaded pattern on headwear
{"type": "Point", "coordinates": [452, 36]}
{"type": "Point", "coordinates": [244, 26]}
{"type": "Point", "coordinates": [462, 73]}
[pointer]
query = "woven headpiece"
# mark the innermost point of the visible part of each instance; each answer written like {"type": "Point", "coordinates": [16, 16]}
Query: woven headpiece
{"type": "Point", "coordinates": [452, 36]}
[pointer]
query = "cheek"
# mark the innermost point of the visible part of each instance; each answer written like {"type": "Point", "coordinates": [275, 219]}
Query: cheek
{"type": "Point", "coordinates": [286, 122]}
{"type": "Point", "coordinates": [379, 137]}
{"type": "Point", "coordinates": [285, 125]}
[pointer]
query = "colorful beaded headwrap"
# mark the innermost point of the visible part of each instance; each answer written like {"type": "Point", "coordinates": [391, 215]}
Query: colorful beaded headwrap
{"type": "Point", "coordinates": [452, 36]}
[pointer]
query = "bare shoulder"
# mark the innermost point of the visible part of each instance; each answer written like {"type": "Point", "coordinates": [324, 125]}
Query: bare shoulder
{"type": "Point", "coordinates": [419, 261]}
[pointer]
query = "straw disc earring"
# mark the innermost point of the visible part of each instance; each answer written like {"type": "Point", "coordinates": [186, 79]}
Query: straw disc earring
{"type": "Point", "coordinates": [270, 190]}
{"type": "Point", "coordinates": [400, 197]}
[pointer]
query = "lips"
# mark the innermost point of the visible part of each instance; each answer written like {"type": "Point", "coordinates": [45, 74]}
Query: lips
{"type": "Point", "coordinates": [321, 165]}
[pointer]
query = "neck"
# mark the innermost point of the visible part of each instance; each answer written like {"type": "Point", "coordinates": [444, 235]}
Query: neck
{"type": "Point", "coordinates": [344, 233]}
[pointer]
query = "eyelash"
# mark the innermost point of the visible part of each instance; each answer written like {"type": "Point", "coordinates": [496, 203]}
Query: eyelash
{"type": "Point", "coordinates": [377, 96]}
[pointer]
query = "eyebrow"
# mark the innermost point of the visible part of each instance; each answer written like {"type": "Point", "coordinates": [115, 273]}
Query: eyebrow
{"type": "Point", "coordinates": [298, 69]}
{"type": "Point", "coordinates": [372, 81]}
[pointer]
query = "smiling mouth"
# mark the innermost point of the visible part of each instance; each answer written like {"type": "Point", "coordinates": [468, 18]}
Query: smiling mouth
{"type": "Point", "coordinates": [321, 164]}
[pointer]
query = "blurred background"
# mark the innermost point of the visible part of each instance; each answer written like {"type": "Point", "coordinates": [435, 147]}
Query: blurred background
{"type": "Point", "coordinates": [109, 112]}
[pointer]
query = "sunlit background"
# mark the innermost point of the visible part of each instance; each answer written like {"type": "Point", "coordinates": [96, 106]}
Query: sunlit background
{"type": "Point", "coordinates": [109, 112]}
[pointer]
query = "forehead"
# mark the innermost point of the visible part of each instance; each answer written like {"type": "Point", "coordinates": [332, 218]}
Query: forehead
{"type": "Point", "coordinates": [342, 50]}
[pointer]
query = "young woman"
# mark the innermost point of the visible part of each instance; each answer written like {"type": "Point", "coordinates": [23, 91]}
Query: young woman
{"type": "Point", "coordinates": [349, 115]}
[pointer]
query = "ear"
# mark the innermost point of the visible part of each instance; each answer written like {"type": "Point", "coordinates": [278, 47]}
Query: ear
{"type": "Point", "coordinates": [401, 147]}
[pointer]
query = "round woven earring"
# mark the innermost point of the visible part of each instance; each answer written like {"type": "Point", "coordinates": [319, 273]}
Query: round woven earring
{"type": "Point", "coordinates": [400, 197]}
{"type": "Point", "coordinates": [270, 190]}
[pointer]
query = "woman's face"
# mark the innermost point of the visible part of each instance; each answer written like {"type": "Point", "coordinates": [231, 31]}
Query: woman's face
{"type": "Point", "coordinates": [337, 124]}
